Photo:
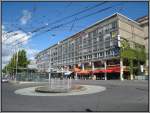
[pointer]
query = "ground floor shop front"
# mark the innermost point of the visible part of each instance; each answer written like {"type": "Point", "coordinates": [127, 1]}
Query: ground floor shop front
{"type": "Point", "coordinates": [104, 76]}
{"type": "Point", "coordinates": [100, 76]}
{"type": "Point", "coordinates": [112, 69]}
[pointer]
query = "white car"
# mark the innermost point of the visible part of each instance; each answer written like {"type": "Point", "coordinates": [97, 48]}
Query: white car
{"type": "Point", "coordinates": [5, 80]}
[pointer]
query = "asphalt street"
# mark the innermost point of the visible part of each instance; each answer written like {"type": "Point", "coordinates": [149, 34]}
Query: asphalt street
{"type": "Point", "coordinates": [119, 96]}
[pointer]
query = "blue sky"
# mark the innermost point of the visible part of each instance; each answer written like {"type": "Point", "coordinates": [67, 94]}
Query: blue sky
{"type": "Point", "coordinates": [32, 15]}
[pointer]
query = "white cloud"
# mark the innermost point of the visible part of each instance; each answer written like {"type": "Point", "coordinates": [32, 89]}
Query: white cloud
{"type": "Point", "coordinates": [15, 37]}
{"type": "Point", "coordinates": [8, 42]}
{"type": "Point", "coordinates": [25, 17]}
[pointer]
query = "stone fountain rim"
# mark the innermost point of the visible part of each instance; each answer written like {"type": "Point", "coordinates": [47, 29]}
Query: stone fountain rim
{"type": "Point", "coordinates": [90, 89]}
{"type": "Point", "coordinates": [45, 89]}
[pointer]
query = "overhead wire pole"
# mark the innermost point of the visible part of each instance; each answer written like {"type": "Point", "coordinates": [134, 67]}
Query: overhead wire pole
{"type": "Point", "coordinates": [17, 49]}
{"type": "Point", "coordinates": [16, 62]}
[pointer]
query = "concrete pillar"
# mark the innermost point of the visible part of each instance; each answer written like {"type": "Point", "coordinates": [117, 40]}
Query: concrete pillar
{"type": "Point", "coordinates": [121, 70]}
{"type": "Point", "coordinates": [68, 68]}
{"type": "Point", "coordinates": [93, 68]}
{"type": "Point", "coordinates": [76, 76]}
{"type": "Point", "coordinates": [131, 76]}
{"type": "Point", "coordinates": [105, 65]}
{"type": "Point", "coordinates": [49, 80]}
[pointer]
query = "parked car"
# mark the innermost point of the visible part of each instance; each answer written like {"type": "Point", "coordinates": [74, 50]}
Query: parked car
{"type": "Point", "coordinates": [5, 80]}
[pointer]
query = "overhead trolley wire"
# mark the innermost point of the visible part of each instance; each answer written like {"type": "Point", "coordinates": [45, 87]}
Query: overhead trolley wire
{"type": "Point", "coordinates": [61, 25]}
{"type": "Point", "coordinates": [58, 26]}
{"type": "Point", "coordinates": [59, 20]}
{"type": "Point", "coordinates": [67, 17]}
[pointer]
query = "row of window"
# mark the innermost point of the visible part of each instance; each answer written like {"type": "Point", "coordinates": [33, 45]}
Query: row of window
{"type": "Point", "coordinates": [104, 29]}
{"type": "Point", "coordinates": [88, 40]}
{"type": "Point", "coordinates": [85, 51]}
{"type": "Point", "coordinates": [95, 48]}
{"type": "Point", "coordinates": [110, 52]}
{"type": "Point", "coordinates": [108, 43]}
{"type": "Point", "coordinates": [100, 46]}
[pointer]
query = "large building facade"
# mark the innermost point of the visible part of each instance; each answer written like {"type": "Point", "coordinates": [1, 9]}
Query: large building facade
{"type": "Point", "coordinates": [95, 50]}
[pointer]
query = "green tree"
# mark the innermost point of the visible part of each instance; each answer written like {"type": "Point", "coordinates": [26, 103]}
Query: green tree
{"type": "Point", "coordinates": [22, 59]}
{"type": "Point", "coordinates": [22, 62]}
{"type": "Point", "coordinates": [138, 53]}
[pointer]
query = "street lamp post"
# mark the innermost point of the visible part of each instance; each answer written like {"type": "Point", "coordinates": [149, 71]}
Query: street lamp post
{"type": "Point", "coordinates": [16, 62]}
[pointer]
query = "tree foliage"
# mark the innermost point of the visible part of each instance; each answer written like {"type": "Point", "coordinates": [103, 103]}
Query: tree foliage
{"type": "Point", "coordinates": [137, 53]}
{"type": "Point", "coordinates": [22, 62]}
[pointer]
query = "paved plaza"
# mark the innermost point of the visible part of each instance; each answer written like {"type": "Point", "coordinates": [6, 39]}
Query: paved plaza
{"type": "Point", "coordinates": [124, 95]}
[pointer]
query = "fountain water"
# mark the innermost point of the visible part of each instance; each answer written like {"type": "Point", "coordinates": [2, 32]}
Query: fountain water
{"type": "Point", "coordinates": [56, 85]}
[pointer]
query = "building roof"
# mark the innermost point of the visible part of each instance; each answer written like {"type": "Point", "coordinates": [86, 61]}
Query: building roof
{"type": "Point", "coordinates": [100, 21]}
{"type": "Point", "coordinates": [143, 18]}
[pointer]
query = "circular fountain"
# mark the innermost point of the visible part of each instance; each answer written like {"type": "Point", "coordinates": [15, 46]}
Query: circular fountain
{"type": "Point", "coordinates": [44, 89]}
{"type": "Point", "coordinates": [56, 85]}
{"type": "Point", "coordinates": [59, 86]}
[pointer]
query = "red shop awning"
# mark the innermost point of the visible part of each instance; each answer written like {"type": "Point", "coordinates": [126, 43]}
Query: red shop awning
{"type": "Point", "coordinates": [115, 69]}
{"type": "Point", "coordinates": [108, 70]}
